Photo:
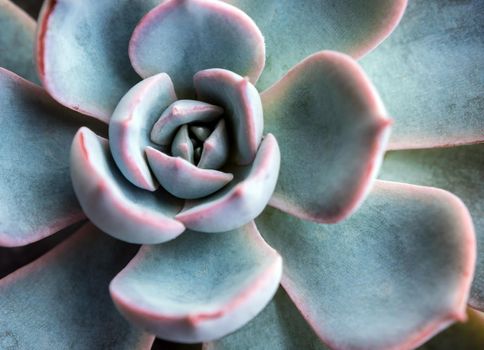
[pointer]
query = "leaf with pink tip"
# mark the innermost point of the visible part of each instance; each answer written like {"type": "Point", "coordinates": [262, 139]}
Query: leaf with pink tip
{"type": "Point", "coordinates": [131, 123]}
{"type": "Point", "coordinates": [182, 37]}
{"type": "Point", "coordinates": [198, 287]}
{"type": "Point", "coordinates": [61, 300]}
{"type": "Point", "coordinates": [456, 169]}
{"type": "Point", "coordinates": [242, 200]}
{"type": "Point", "coordinates": [183, 179]}
{"type": "Point", "coordinates": [112, 203]}
{"type": "Point", "coordinates": [215, 148]}
{"type": "Point", "coordinates": [333, 130]}
{"type": "Point", "coordinates": [430, 73]}
{"type": "Point", "coordinates": [17, 41]}
{"type": "Point", "coordinates": [36, 196]}
{"type": "Point", "coordinates": [391, 276]}
{"type": "Point", "coordinates": [82, 51]}
{"type": "Point", "coordinates": [279, 326]}
{"type": "Point", "coordinates": [243, 108]}
{"type": "Point", "coordinates": [294, 30]}
{"type": "Point", "coordinates": [179, 113]}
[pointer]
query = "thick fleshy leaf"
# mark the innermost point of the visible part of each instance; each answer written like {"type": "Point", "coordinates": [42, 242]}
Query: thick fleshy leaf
{"type": "Point", "coordinates": [430, 75]}
{"type": "Point", "coordinates": [333, 130]}
{"type": "Point", "coordinates": [114, 204]}
{"type": "Point", "coordinates": [294, 30]}
{"type": "Point", "coordinates": [243, 199]}
{"type": "Point", "coordinates": [459, 170]}
{"type": "Point", "coordinates": [198, 287]}
{"type": "Point", "coordinates": [179, 113]}
{"type": "Point", "coordinates": [200, 132]}
{"type": "Point", "coordinates": [184, 37]}
{"type": "Point", "coordinates": [82, 52]}
{"type": "Point", "coordinates": [465, 336]}
{"type": "Point", "coordinates": [279, 326]}
{"type": "Point", "coordinates": [243, 108]}
{"type": "Point", "coordinates": [61, 300]}
{"type": "Point", "coordinates": [17, 41]}
{"type": "Point", "coordinates": [183, 179]}
{"type": "Point", "coordinates": [391, 276]}
{"type": "Point", "coordinates": [215, 148]}
{"type": "Point", "coordinates": [131, 123]}
{"type": "Point", "coordinates": [182, 145]}
{"type": "Point", "coordinates": [36, 196]}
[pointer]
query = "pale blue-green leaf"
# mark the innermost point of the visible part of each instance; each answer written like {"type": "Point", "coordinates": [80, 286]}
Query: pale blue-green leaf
{"type": "Point", "coordinates": [280, 326]}
{"type": "Point", "coordinates": [461, 336]}
{"type": "Point", "coordinates": [179, 113]}
{"type": "Point", "coordinates": [36, 196]}
{"type": "Point", "coordinates": [243, 108]}
{"type": "Point", "coordinates": [459, 170]}
{"type": "Point", "coordinates": [82, 51]}
{"type": "Point", "coordinates": [332, 129]}
{"type": "Point", "coordinates": [61, 300]}
{"type": "Point", "coordinates": [430, 73]}
{"type": "Point", "coordinates": [391, 276]}
{"type": "Point", "coordinates": [215, 148]}
{"type": "Point", "coordinates": [198, 287]}
{"type": "Point", "coordinates": [294, 30]}
{"type": "Point", "coordinates": [17, 41]}
{"type": "Point", "coordinates": [184, 37]}
{"type": "Point", "coordinates": [200, 132]}
{"type": "Point", "coordinates": [183, 179]}
{"type": "Point", "coordinates": [113, 203]}
{"type": "Point", "coordinates": [243, 199]}
{"type": "Point", "coordinates": [131, 124]}
{"type": "Point", "coordinates": [182, 145]}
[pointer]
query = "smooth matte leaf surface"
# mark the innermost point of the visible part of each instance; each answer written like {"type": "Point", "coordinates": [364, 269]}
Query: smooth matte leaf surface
{"type": "Point", "coordinates": [36, 196]}
{"type": "Point", "coordinates": [430, 74]}
{"type": "Point", "coordinates": [294, 30]}
{"type": "Point", "coordinates": [459, 170]}
{"type": "Point", "coordinates": [61, 300]}
{"type": "Point", "coordinates": [280, 326]}
{"type": "Point", "coordinates": [390, 276]}
{"type": "Point", "coordinates": [198, 287]}
{"type": "Point", "coordinates": [183, 37]}
{"type": "Point", "coordinates": [17, 41]}
{"type": "Point", "coordinates": [82, 52]}
{"type": "Point", "coordinates": [113, 203]}
{"type": "Point", "coordinates": [332, 129]}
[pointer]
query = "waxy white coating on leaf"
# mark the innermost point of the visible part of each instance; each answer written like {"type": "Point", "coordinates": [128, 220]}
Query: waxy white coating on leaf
{"type": "Point", "coordinates": [243, 108]}
{"type": "Point", "coordinates": [179, 113]}
{"type": "Point", "coordinates": [235, 206]}
{"type": "Point", "coordinates": [112, 203]}
{"type": "Point", "coordinates": [130, 125]}
{"type": "Point", "coordinates": [198, 287]}
{"type": "Point", "coordinates": [335, 129]}
{"type": "Point", "coordinates": [183, 179]}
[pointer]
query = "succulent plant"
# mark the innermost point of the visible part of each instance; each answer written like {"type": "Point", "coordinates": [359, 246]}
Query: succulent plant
{"type": "Point", "coordinates": [238, 142]}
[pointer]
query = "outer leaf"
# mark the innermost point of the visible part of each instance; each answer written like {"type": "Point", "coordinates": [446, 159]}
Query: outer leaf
{"type": "Point", "coordinates": [61, 300]}
{"type": "Point", "coordinates": [82, 51]}
{"type": "Point", "coordinates": [113, 203]}
{"type": "Point", "coordinates": [17, 41]}
{"type": "Point", "coordinates": [333, 130]}
{"type": "Point", "coordinates": [294, 30]}
{"type": "Point", "coordinates": [391, 276]}
{"type": "Point", "coordinates": [36, 196]}
{"type": "Point", "coordinates": [182, 37]}
{"type": "Point", "coordinates": [466, 336]}
{"type": "Point", "coordinates": [198, 287]}
{"type": "Point", "coordinates": [459, 170]}
{"type": "Point", "coordinates": [430, 74]}
{"type": "Point", "coordinates": [279, 326]}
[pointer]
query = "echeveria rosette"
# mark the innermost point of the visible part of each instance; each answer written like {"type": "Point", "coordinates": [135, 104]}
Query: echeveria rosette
{"type": "Point", "coordinates": [336, 132]}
